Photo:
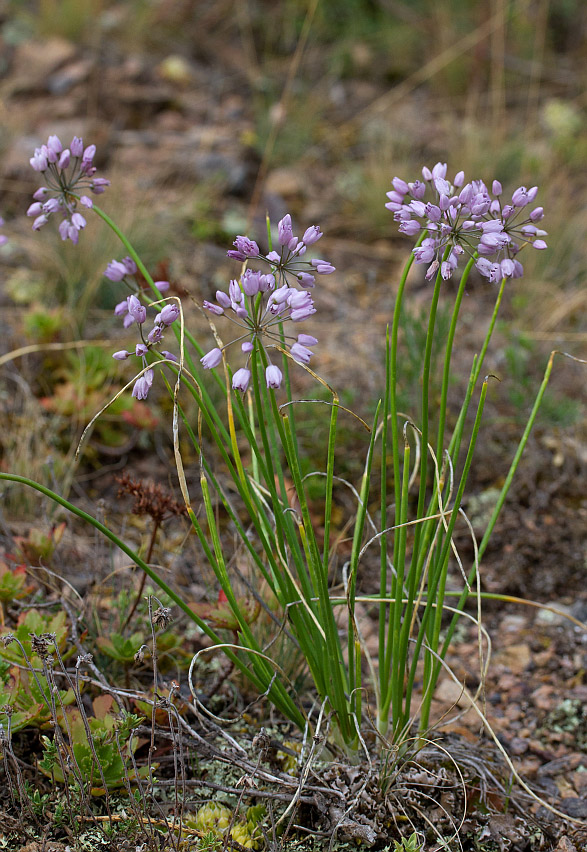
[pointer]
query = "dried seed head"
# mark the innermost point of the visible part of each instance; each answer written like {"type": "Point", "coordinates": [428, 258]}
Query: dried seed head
{"type": "Point", "coordinates": [40, 644]}
{"type": "Point", "coordinates": [262, 741]}
{"type": "Point", "coordinates": [140, 654]}
{"type": "Point", "coordinates": [162, 617]}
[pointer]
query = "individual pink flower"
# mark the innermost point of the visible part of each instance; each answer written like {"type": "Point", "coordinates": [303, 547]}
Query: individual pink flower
{"type": "Point", "coordinates": [241, 379]}
{"type": "Point", "coordinates": [143, 385]}
{"type": "Point", "coordinates": [273, 376]}
{"type": "Point", "coordinates": [212, 358]}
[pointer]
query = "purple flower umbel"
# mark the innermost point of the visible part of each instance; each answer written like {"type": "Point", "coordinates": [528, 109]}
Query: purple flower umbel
{"type": "Point", "coordinates": [286, 265]}
{"type": "Point", "coordinates": [259, 303]}
{"type": "Point", "coordinates": [465, 219]}
{"type": "Point", "coordinates": [133, 311]}
{"type": "Point", "coordinates": [68, 173]}
{"type": "Point", "coordinates": [3, 237]}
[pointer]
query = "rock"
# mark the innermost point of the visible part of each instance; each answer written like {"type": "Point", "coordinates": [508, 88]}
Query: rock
{"type": "Point", "coordinates": [546, 616]}
{"type": "Point", "coordinates": [514, 657]}
{"type": "Point", "coordinates": [574, 806]}
{"type": "Point", "coordinates": [565, 845]}
{"type": "Point", "coordinates": [518, 746]}
{"type": "Point", "coordinates": [543, 697]}
{"type": "Point", "coordinates": [35, 62]}
{"type": "Point", "coordinates": [579, 779]}
{"type": "Point", "coordinates": [62, 81]}
{"type": "Point", "coordinates": [452, 693]}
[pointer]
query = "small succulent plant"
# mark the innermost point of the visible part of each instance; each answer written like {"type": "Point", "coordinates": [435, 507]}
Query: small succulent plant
{"type": "Point", "coordinates": [214, 820]}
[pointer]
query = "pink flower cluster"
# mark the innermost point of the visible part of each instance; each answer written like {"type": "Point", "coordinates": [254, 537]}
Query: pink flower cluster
{"type": "Point", "coordinates": [466, 219]}
{"type": "Point", "coordinates": [134, 311]}
{"type": "Point", "coordinates": [68, 173]}
{"type": "Point", "coordinates": [261, 302]}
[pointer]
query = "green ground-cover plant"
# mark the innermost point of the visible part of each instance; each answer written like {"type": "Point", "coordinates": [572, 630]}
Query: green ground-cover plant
{"type": "Point", "coordinates": [28, 696]}
{"type": "Point", "coordinates": [14, 584]}
{"type": "Point", "coordinates": [101, 748]}
{"type": "Point", "coordinates": [253, 439]}
{"type": "Point", "coordinates": [215, 821]}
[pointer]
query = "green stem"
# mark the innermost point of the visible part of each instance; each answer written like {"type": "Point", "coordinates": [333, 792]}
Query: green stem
{"type": "Point", "coordinates": [425, 413]}
{"type": "Point", "coordinates": [353, 643]}
{"type": "Point", "coordinates": [391, 393]}
{"type": "Point", "coordinates": [516, 460]}
{"type": "Point", "coordinates": [393, 656]}
{"type": "Point", "coordinates": [390, 417]}
{"type": "Point", "coordinates": [448, 357]}
{"type": "Point", "coordinates": [436, 590]}
{"type": "Point", "coordinates": [455, 441]}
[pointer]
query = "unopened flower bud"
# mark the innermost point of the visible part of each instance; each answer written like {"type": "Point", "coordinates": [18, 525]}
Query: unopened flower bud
{"type": "Point", "coordinates": [64, 159]}
{"type": "Point", "coordinates": [169, 314]}
{"type": "Point", "coordinates": [214, 309]}
{"type": "Point", "coordinates": [77, 146]}
{"type": "Point", "coordinates": [137, 311]}
{"type": "Point", "coordinates": [312, 235]}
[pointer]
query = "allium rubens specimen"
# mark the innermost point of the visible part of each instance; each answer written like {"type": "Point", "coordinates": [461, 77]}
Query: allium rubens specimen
{"type": "Point", "coordinates": [274, 525]}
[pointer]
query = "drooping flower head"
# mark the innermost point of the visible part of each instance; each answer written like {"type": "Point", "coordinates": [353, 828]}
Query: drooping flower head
{"type": "Point", "coordinates": [68, 173]}
{"type": "Point", "coordinates": [465, 219]}
{"type": "Point", "coordinates": [259, 303]}
{"type": "Point", "coordinates": [133, 311]}
{"type": "Point", "coordinates": [3, 237]}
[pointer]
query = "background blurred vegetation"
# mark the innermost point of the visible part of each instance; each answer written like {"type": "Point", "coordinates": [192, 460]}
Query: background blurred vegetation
{"type": "Point", "coordinates": [339, 96]}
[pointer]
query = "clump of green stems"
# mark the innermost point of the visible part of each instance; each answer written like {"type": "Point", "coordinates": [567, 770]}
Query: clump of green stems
{"type": "Point", "coordinates": [294, 558]}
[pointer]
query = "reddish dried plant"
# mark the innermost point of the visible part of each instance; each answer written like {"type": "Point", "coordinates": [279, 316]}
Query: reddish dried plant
{"type": "Point", "coordinates": [150, 499]}
{"type": "Point", "coordinates": [153, 500]}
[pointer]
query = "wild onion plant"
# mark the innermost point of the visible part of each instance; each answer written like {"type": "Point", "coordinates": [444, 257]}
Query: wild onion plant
{"type": "Point", "coordinates": [255, 437]}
